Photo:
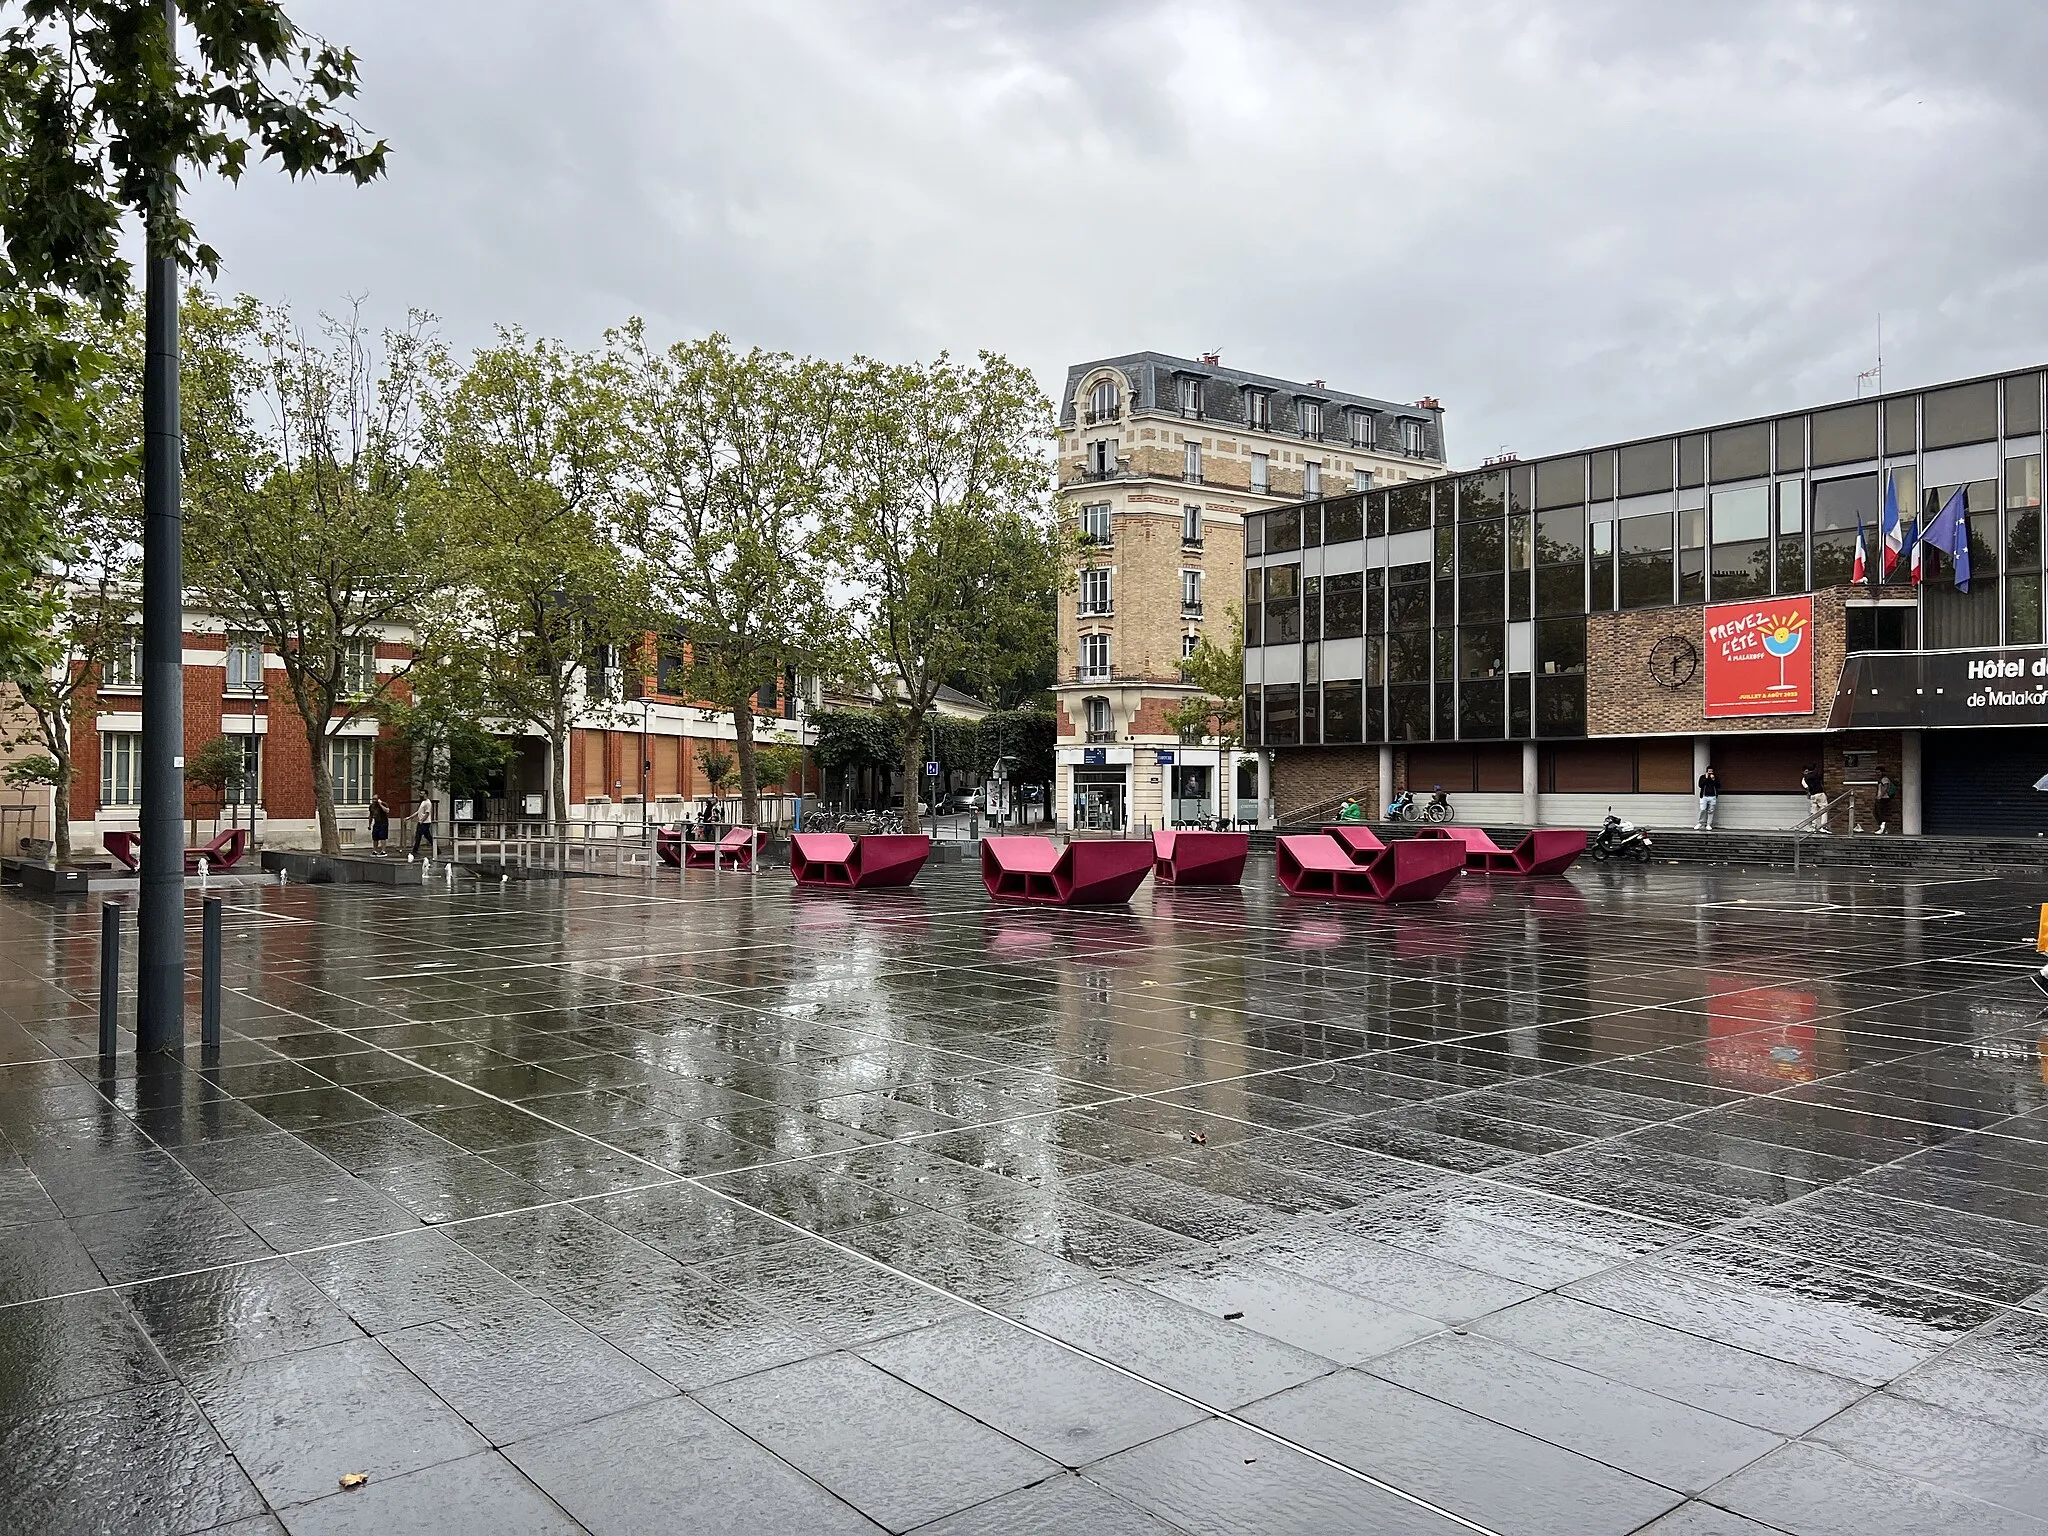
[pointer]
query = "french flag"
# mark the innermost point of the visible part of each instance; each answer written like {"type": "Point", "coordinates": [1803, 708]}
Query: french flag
{"type": "Point", "coordinates": [1860, 571]}
{"type": "Point", "coordinates": [1890, 532]}
{"type": "Point", "coordinates": [1913, 547]}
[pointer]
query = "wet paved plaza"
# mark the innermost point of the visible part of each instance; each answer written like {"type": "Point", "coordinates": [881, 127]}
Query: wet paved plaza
{"type": "Point", "coordinates": [1671, 1200]}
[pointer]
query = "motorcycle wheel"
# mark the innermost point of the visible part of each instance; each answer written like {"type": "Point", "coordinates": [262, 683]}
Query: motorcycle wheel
{"type": "Point", "coordinates": [1643, 854]}
{"type": "Point", "coordinates": [1598, 853]}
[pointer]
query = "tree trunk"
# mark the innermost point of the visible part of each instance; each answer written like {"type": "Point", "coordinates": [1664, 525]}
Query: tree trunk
{"type": "Point", "coordinates": [743, 750]}
{"type": "Point", "coordinates": [913, 770]}
{"type": "Point", "coordinates": [558, 759]}
{"type": "Point", "coordinates": [60, 806]}
{"type": "Point", "coordinates": [323, 788]}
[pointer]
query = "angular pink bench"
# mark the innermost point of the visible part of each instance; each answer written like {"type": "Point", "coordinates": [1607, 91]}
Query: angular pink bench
{"type": "Point", "coordinates": [1080, 874]}
{"type": "Point", "coordinates": [741, 845]}
{"type": "Point", "coordinates": [1413, 869]}
{"type": "Point", "coordinates": [1541, 852]}
{"type": "Point", "coordinates": [224, 852]}
{"type": "Point", "coordinates": [856, 863]}
{"type": "Point", "coordinates": [1199, 858]}
{"type": "Point", "coordinates": [1359, 840]}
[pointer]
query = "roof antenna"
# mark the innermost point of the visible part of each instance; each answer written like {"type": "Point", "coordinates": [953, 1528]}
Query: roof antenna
{"type": "Point", "coordinates": [1876, 374]}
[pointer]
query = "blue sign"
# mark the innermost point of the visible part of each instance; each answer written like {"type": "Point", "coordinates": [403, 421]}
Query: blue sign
{"type": "Point", "coordinates": [931, 770]}
{"type": "Point", "coordinates": [1094, 757]}
{"type": "Point", "coordinates": [1162, 759]}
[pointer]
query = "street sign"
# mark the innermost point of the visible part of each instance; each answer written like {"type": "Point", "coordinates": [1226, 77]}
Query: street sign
{"type": "Point", "coordinates": [1094, 757]}
{"type": "Point", "coordinates": [931, 770]}
{"type": "Point", "coordinates": [1162, 759]}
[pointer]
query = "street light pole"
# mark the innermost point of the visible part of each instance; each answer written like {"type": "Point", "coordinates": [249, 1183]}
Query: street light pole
{"type": "Point", "coordinates": [160, 1010]}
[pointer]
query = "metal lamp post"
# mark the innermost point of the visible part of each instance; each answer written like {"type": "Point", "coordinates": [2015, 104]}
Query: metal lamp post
{"type": "Point", "coordinates": [160, 1011]}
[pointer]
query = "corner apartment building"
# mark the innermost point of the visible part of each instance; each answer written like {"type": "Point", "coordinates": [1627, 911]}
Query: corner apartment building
{"type": "Point", "coordinates": [1548, 639]}
{"type": "Point", "coordinates": [1161, 461]}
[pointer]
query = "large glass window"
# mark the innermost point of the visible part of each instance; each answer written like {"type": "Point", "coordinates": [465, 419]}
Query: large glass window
{"type": "Point", "coordinates": [1646, 560]}
{"type": "Point", "coordinates": [351, 765]}
{"type": "Point", "coordinates": [1408, 656]}
{"type": "Point", "coordinates": [1692, 554]}
{"type": "Point", "coordinates": [1344, 605]}
{"type": "Point", "coordinates": [1094, 591]}
{"type": "Point", "coordinates": [1283, 530]}
{"type": "Point", "coordinates": [1646, 468]}
{"type": "Point", "coordinates": [1482, 495]}
{"type": "Point", "coordinates": [1601, 478]}
{"type": "Point", "coordinates": [1482, 651]}
{"type": "Point", "coordinates": [1692, 460]}
{"type": "Point", "coordinates": [1839, 504]}
{"type": "Point", "coordinates": [1255, 533]}
{"type": "Point", "coordinates": [1966, 413]}
{"type": "Point", "coordinates": [1742, 453]}
{"type": "Point", "coordinates": [1343, 712]}
{"type": "Point", "coordinates": [1845, 435]}
{"type": "Point", "coordinates": [1408, 596]}
{"type": "Point", "coordinates": [1790, 434]}
{"type": "Point", "coordinates": [1600, 567]}
{"type": "Point", "coordinates": [1408, 508]}
{"type": "Point", "coordinates": [1561, 482]}
{"type": "Point", "coordinates": [1791, 574]}
{"type": "Point", "coordinates": [1344, 520]}
{"type": "Point", "coordinates": [1741, 526]}
{"type": "Point", "coordinates": [1901, 429]}
{"type": "Point", "coordinates": [120, 768]}
{"type": "Point", "coordinates": [245, 666]}
{"type": "Point", "coordinates": [1283, 604]}
{"type": "Point", "coordinates": [1408, 712]}
{"type": "Point", "coordinates": [2023, 405]}
{"type": "Point", "coordinates": [1311, 611]}
{"type": "Point", "coordinates": [1255, 606]}
{"type": "Point", "coordinates": [1283, 715]}
{"type": "Point", "coordinates": [122, 667]}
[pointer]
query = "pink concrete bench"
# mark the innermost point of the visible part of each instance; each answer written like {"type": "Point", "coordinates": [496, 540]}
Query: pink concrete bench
{"type": "Point", "coordinates": [740, 845]}
{"type": "Point", "coordinates": [1199, 858]}
{"type": "Point", "coordinates": [1549, 851]}
{"type": "Point", "coordinates": [855, 863]}
{"type": "Point", "coordinates": [1080, 874]}
{"type": "Point", "coordinates": [224, 852]}
{"type": "Point", "coordinates": [1359, 840]}
{"type": "Point", "coordinates": [1317, 864]}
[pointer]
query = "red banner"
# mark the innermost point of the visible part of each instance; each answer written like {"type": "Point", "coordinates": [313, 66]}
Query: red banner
{"type": "Point", "coordinates": [1759, 658]}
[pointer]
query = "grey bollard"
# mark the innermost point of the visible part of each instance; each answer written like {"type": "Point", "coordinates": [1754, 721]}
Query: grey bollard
{"type": "Point", "coordinates": [110, 976]}
{"type": "Point", "coordinates": [209, 973]}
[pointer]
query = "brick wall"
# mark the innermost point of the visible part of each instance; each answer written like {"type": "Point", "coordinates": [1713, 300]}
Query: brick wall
{"type": "Point", "coordinates": [1622, 699]}
{"type": "Point", "coordinates": [1314, 775]}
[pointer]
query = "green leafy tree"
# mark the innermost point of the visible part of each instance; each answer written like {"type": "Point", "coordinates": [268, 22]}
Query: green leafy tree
{"type": "Point", "coordinates": [776, 763]}
{"type": "Point", "coordinates": [98, 120]}
{"type": "Point", "coordinates": [949, 556]}
{"type": "Point", "coordinates": [74, 605]}
{"type": "Point", "coordinates": [218, 769]}
{"type": "Point", "coordinates": [717, 765]}
{"type": "Point", "coordinates": [447, 734]}
{"type": "Point", "coordinates": [721, 508]}
{"type": "Point", "coordinates": [1217, 712]}
{"type": "Point", "coordinates": [528, 444]}
{"type": "Point", "coordinates": [312, 520]}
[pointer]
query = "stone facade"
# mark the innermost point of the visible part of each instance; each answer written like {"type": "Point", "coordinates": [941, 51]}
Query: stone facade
{"type": "Point", "coordinates": [1623, 699]}
{"type": "Point", "coordinates": [1317, 775]}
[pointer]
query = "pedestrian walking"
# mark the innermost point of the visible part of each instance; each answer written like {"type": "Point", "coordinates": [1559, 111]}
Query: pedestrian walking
{"type": "Point", "coordinates": [423, 826]}
{"type": "Point", "coordinates": [1710, 800]}
{"type": "Point", "coordinates": [380, 824]}
{"type": "Point", "coordinates": [1887, 800]}
{"type": "Point", "coordinates": [1816, 796]}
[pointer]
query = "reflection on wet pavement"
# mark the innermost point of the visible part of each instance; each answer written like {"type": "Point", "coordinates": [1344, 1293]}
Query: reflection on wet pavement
{"type": "Point", "coordinates": [1671, 1200]}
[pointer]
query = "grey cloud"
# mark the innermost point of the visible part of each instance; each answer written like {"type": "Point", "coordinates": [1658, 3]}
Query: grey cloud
{"type": "Point", "coordinates": [1570, 222]}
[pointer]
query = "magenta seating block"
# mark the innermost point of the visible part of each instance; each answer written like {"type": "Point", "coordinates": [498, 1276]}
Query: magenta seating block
{"type": "Point", "coordinates": [877, 859]}
{"type": "Point", "coordinates": [1359, 840]}
{"type": "Point", "coordinates": [668, 845]}
{"type": "Point", "coordinates": [1317, 864]}
{"type": "Point", "coordinates": [1080, 874]}
{"type": "Point", "coordinates": [1199, 858]}
{"type": "Point", "coordinates": [1541, 852]}
{"type": "Point", "coordinates": [224, 852]}
{"type": "Point", "coordinates": [735, 850]}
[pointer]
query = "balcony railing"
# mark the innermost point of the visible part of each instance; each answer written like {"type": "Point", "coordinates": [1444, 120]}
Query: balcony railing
{"type": "Point", "coordinates": [1095, 610]}
{"type": "Point", "coordinates": [1098, 738]}
{"type": "Point", "coordinates": [1191, 476]}
{"type": "Point", "coordinates": [1190, 610]}
{"type": "Point", "coordinates": [1191, 541]}
{"type": "Point", "coordinates": [1096, 416]}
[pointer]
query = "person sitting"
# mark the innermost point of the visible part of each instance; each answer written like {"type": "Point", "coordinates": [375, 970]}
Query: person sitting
{"type": "Point", "coordinates": [1351, 810]}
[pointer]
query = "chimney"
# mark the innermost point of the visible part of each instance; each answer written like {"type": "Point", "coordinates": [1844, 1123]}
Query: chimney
{"type": "Point", "coordinates": [1318, 383]}
{"type": "Point", "coordinates": [1213, 359]}
{"type": "Point", "coordinates": [1430, 403]}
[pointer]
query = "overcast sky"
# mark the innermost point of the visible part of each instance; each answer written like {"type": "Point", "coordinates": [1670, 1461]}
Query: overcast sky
{"type": "Point", "coordinates": [1570, 222]}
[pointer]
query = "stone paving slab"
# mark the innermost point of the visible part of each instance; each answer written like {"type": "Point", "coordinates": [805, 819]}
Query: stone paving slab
{"type": "Point", "coordinates": [1681, 1200]}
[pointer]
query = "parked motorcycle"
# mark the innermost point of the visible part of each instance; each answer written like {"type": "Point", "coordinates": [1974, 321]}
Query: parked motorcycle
{"type": "Point", "coordinates": [1620, 839]}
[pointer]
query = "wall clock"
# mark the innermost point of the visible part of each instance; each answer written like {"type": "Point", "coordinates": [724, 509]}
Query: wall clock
{"type": "Point", "coordinates": [1673, 660]}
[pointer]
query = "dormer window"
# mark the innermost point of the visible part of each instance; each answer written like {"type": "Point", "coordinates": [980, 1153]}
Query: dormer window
{"type": "Point", "coordinates": [1258, 410]}
{"type": "Point", "coordinates": [1363, 433]}
{"type": "Point", "coordinates": [1188, 395]}
{"type": "Point", "coordinates": [1308, 415]}
{"type": "Point", "coordinates": [1103, 400]}
{"type": "Point", "coordinates": [1412, 439]}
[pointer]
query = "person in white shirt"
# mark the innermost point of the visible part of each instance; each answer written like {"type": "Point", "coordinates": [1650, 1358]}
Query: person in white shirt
{"type": "Point", "coordinates": [423, 826]}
